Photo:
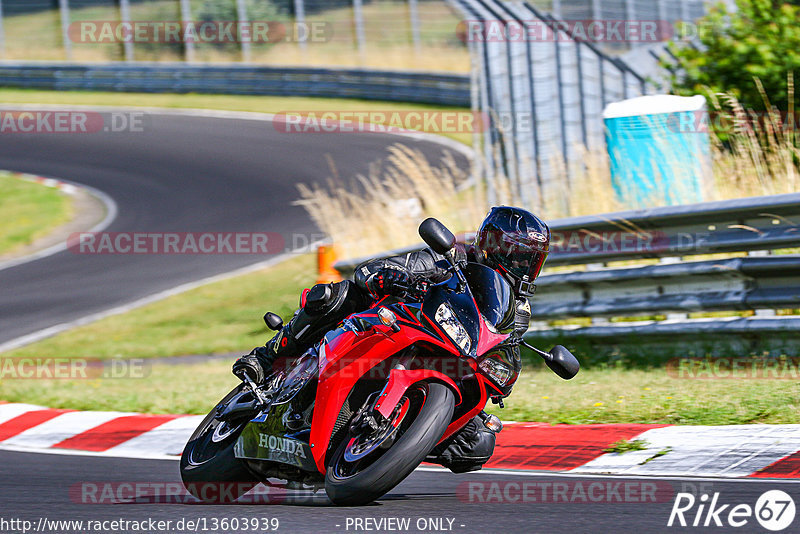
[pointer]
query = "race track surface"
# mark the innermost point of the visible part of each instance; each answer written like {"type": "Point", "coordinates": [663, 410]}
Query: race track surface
{"type": "Point", "coordinates": [45, 486]}
{"type": "Point", "coordinates": [181, 174]}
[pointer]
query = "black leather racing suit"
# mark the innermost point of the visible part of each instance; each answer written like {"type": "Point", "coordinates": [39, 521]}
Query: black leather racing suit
{"type": "Point", "coordinates": [325, 305]}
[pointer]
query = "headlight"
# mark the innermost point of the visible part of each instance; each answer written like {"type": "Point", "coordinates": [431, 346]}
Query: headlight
{"type": "Point", "coordinates": [497, 371]}
{"type": "Point", "coordinates": [450, 324]}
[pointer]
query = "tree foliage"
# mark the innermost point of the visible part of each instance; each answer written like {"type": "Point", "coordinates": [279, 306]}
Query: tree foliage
{"type": "Point", "coordinates": [758, 44]}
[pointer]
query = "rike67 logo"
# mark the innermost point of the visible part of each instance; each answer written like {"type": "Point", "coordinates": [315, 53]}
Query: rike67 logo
{"type": "Point", "coordinates": [774, 510]}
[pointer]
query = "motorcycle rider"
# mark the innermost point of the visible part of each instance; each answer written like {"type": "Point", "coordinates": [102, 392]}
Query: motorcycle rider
{"type": "Point", "coordinates": [512, 241]}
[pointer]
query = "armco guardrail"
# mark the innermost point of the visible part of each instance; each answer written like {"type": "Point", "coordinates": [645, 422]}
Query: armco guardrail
{"type": "Point", "coordinates": [763, 283]}
{"type": "Point", "coordinates": [422, 87]}
{"type": "Point", "coordinates": [747, 224]}
{"type": "Point", "coordinates": [731, 284]}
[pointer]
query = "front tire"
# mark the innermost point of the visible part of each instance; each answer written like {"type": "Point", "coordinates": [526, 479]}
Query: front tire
{"type": "Point", "coordinates": [209, 469]}
{"type": "Point", "coordinates": [350, 484]}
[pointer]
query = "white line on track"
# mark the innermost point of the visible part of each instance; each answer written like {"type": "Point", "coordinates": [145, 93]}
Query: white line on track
{"type": "Point", "coordinates": [112, 211]}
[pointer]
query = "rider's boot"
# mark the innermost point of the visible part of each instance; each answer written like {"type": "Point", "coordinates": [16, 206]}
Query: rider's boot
{"type": "Point", "coordinates": [468, 449]}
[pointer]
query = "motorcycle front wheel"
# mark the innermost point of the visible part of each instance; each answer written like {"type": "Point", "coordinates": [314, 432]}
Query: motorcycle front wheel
{"type": "Point", "coordinates": [369, 462]}
{"type": "Point", "coordinates": [209, 469]}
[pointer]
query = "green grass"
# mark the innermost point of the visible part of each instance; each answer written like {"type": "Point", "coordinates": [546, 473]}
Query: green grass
{"type": "Point", "coordinates": [622, 446]}
{"type": "Point", "coordinates": [619, 395]}
{"type": "Point", "coordinates": [224, 316]}
{"type": "Point", "coordinates": [260, 104]}
{"type": "Point", "coordinates": [191, 389]}
{"type": "Point", "coordinates": [29, 210]}
{"type": "Point", "coordinates": [594, 396]}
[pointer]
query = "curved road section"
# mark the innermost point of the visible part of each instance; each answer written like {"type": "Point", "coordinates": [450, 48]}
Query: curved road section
{"type": "Point", "coordinates": [177, 174]}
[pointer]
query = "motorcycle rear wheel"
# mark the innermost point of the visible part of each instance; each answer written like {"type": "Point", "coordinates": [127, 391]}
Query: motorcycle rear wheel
{"type": "Point", "coordinates": [209, 469]}
{"type": "Point", "coordinates": [358, 482]}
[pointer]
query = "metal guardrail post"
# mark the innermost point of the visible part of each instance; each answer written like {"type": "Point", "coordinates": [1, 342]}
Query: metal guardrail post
{"type": "Point", "coordinates": [358, 19]}
{"type": "Point", "coordinates": [241, 19]}
{"type": "Point", "coordinates": [186, 19]}
{"type": "Point", "coordinates": [299, 20]}
{"type": "Point", "coordinates": [63, 6]}
{"type": "Point", "coordinates": [125, 17]}
{"type": "Point", "coordinates": [413, 15]}
{"type": "Point", "coordinates": [2, 34]}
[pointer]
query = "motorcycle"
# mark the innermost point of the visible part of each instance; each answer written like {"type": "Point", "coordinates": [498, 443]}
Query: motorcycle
{"type": "Point", "coordinates": [358, 412]}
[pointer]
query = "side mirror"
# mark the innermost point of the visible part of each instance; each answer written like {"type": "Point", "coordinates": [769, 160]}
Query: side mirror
{"type": "Point", "coordinates": [273, 321]}
{"type": "Point", "coordinates": [562, 362]}
{"type": "Point", "coordinates": [436, 235]}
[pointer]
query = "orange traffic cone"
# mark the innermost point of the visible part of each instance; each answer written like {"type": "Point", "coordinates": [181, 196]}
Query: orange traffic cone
{"type": "Point", "coordinates": [326, 257]}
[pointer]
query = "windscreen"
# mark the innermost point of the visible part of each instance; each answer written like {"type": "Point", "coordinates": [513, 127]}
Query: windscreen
{"type": "Point", "coordinates": [493, 295]}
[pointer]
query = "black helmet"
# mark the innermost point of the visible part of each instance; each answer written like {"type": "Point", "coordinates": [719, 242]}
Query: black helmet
{"type": "Point", "coordinates": [514, 242]}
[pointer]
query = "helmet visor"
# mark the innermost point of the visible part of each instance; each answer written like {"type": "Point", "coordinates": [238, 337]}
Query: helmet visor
{"type": "Point", "coordinates": [523, 261]}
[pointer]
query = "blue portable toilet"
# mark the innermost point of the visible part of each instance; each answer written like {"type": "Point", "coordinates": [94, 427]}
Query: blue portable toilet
{"type": "Point", "coordinates": [658, 148]}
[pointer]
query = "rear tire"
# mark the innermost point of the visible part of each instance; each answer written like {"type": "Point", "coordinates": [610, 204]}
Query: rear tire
{"type": "Point", "coordinates": [400, 459]}
{"type": "Point", "coordinates": [209, 469]}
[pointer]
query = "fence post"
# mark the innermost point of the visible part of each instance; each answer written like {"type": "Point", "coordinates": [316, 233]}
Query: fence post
{"type": "Point", "coordinates": [413, 14]}
{"type": "Point", "coordinates": [241, 20]}
{"type": "Point", "coordinates": [63, 6]}
{"type": "Point", "coordinates": [557, 9]}
{"type": "Point", "coordinates": [2, 34]}
{"type": "Point", "coordinates": [358, 17]}
{"type": "Point", "coordinates": [125, 16]}
{"type": "Point", "coordinates": [186, 19]}
{"type": "Point", "coordinates": [630, 16]}
{"type": "Point", "coordinates": [685, 10]}
{"type": "Point", "coordinates": [299, 20]}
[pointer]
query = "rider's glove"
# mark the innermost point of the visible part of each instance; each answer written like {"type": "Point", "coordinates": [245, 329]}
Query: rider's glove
{"type": "Point", "coordinates": [388, 282]}
{"type": "Point", "coordinates": [251, 366]}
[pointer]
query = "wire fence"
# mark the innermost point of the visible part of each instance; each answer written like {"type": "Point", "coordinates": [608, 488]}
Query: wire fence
{"type": "Point", "coordinates": [405, 34]}
{"type": "Point", "coordinates": [543, 83]}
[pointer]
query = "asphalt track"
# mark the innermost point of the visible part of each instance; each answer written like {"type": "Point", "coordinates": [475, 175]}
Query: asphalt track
{"type": "Point", "coordinates": [180, 174]}
{"type": "Point", "coordinates": [46, 486]}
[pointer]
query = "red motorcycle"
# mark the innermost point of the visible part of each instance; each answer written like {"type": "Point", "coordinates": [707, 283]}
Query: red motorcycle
{"type": "Point", "coordinates": [363, 408]}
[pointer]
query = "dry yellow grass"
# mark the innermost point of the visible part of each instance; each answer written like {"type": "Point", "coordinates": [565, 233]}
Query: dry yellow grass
{"type": "Point", "coordinates": [756, 157]}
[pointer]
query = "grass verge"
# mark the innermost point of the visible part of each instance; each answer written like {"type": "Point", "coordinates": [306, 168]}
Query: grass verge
{"type": "Point", "coordinates": [30, 210]}
{"type": "Point", "coordinates": [594, 396]}
{"type": "Point", "coordinates": [258, 104]}
{"type": "Point", "coordinates": [618, 395]}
